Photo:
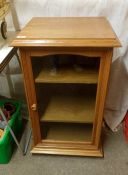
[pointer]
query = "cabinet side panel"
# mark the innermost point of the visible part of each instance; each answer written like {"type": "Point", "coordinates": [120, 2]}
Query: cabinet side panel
{"type": "Point", "coordinates": [30, 94]}
{"type": "Point", "coordinates": [105, 63]}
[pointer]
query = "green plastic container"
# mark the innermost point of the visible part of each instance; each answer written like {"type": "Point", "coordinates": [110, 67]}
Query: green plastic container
{"type": "Point", "coordinates": [7, 142]}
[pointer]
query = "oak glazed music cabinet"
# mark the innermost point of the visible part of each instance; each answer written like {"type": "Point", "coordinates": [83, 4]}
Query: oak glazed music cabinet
{"type": "Point", "coordinates": [66, 64]}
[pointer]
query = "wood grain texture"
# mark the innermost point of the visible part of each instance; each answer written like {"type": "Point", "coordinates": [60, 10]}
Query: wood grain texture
{"type": "Point", "coordinates": [30, 94]}
{"type": "Point", "coordinates": [91, 37]}
{"type": "Point", "coordinates": [93, 52]}
{"type": "Point", "coordinates": [68, 132]}
{"type": "Point", "coordinates": [67, 27]}
{"type": "Point", "coordinates": [70, 108]}
{"type": "Point", "coordinates": [84, 31]}
{"type": "Point", "coordinates": [101, 94]}
{"type": "Point", "coordinates": [66, 151]}
{"type": "Point", "coordinates": [68, 75]}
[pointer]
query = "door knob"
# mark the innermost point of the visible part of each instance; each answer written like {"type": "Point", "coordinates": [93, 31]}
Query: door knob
{"type": "Point", "coordinates": [34, 107]}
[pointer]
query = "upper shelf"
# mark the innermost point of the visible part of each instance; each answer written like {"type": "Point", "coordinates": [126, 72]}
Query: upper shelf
{"type": "Point", "coordinates": [67, 32]}
{"type": "Point", "coordinates": [68, 75]}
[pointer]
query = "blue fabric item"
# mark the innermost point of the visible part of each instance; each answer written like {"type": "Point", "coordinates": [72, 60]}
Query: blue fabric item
{"type": "Point", "coordinates": [2, 124]}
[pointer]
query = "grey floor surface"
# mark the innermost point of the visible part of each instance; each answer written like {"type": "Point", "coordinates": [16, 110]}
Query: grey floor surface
{"type": "Point", "coordinates": [115, 161]}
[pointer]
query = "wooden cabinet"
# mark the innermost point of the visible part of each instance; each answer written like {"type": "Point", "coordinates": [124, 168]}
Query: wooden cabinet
{"type": "Point", "coordinates": [66, 64]}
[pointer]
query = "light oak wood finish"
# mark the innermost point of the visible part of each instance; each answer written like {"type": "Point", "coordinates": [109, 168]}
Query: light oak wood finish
{"type": "Point", "coordinates": [79, 32]}
{"type": "Point", "coordinates": [92, 37]}
{"type": "Point", "coordinates": [68, 132]}
{"type": "Point", "coordinates": [101, 94]}
{"type": "Point", "coordinates": [30, 94]}
{"type": "Point", "coordinates": [68, 75]}
{"type": "Point", "coordinates": [40, 149]}
{"type": "Point", "coordinates": [73, 108]}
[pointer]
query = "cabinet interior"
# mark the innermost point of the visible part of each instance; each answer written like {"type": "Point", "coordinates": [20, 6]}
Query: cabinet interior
{"type": "Point", "coordinates": [67, 132]}
{"type": "Point", "coordinates": [65, 69]}
{"type": "Point", "coordinates": [66, 87]}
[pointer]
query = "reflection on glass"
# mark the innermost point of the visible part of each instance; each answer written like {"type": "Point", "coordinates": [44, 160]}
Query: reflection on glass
{"type": "Point", "coordinates": [66, 88]}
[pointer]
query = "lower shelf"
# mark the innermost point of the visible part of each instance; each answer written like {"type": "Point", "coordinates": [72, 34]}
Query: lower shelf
{"type": "Point", "coordinates": [67, 132]}
{"type": "Point", "coordinates": [67, 139]}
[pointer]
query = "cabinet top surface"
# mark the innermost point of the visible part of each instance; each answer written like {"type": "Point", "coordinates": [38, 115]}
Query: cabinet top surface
{"type": "Point", "coordinates": [67, 31]}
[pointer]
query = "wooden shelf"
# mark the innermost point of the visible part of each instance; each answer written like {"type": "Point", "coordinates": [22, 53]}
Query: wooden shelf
{"type": "Point", "coordinates": [67, 74]}
{"type": "Point", "coordinates": [69, 132]}
{"type": "Point", "coordinates": [70, 108]}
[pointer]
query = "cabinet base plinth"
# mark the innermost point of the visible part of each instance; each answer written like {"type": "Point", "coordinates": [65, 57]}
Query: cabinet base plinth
{"type": "Point", "coordinates": [72, 152]}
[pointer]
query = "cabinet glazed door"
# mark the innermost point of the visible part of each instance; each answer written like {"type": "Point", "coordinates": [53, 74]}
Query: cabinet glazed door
{"type": "Point", "coordinates": [66, 93]}
{"type": "Point", "coordinates": [31, 95]}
